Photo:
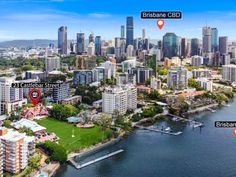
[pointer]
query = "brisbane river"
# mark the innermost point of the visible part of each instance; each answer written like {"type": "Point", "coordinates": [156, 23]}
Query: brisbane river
{"type": "Point", "coordinates": [205, 152]}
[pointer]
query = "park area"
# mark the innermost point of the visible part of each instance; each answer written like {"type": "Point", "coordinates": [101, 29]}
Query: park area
{"type": "Point", "coordinates": [82, 137]}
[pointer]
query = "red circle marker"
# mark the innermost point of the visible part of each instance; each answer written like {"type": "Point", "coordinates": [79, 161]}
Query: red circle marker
{"type": "Point", "coordinates": [35, 95]}
{"type": "Point", "coordinates": [160, 23]}
{"type": "Point", "coordinates": [234, 132]}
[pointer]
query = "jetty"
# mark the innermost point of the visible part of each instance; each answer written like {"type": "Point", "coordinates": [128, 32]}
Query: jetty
{"type": "Point", "coordinates": [79, 166]}
{"type": "Point", "coordinates": [155, 129]}
{"type": "Point", "coordinates": [192, 123]}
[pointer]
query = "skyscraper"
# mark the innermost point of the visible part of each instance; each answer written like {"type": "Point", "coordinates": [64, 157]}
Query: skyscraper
{"type": "Point", "coordinates": [194, 46]}
{"type": "Point", "coordinates": [143, 33]}
{"type": "Point", "coordinates": [122, 31]}
{"type": "Point", "coordinates": [183, 47]}
{"type": "Point", "coordinates": [129, 31]}
{"type": "Point", "coordinates": [214, 39]}
{"type": "Point", "coordinates": [62, 40]}
{"type": "Point", "coordinates": [223, 44]}
{"type": "Point", "coordinates": [170, 47]}
{"type": "Point", "coordinates": [98, 45]}
{"type": "Point", "coordinates": [206, 39]}
{"type": "Point", "coordinates": [80, 43]}
{"type": "Point", "coordinates": [91, 38]}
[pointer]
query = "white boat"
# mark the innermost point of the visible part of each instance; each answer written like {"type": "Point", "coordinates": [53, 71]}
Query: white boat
{"type": "Point", "coordinates": [167, 129]}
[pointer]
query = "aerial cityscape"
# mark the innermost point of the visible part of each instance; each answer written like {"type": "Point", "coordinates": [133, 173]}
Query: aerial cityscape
{"type": "Point", "coordinates": [125, 96]}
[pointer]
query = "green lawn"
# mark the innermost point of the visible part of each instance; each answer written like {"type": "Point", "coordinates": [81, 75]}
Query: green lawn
{"type": "Point", "coordinates": [83, 137]}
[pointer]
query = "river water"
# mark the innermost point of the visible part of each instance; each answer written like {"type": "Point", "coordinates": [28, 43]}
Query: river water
{"type": "Point", "coordinates": [205, 152]}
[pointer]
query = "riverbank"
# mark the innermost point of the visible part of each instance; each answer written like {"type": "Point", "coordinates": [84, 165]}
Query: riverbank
{"type": "Point", "coordinates": [201, 109]}
{"type": "Point", "coordinates": [92, 149]}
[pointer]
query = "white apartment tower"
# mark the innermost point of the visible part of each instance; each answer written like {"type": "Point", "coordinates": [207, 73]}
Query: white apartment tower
{"type": "Point", "coordinates": [119, 98]}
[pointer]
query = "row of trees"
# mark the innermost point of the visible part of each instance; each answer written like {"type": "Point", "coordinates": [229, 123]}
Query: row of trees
{"type": "Point", "coordinates": [63, 111]}
{"type": "Point", "coordinates": [89, 93]}
{"type": "Point", "coordinates": [54, 150]}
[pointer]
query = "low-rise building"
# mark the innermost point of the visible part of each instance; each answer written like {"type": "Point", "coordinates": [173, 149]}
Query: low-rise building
{"type": "Point", "coordinates": [72, 100]}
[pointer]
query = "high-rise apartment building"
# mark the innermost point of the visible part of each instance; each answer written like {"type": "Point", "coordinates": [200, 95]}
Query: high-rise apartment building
{"type": "Point", "coordinates": [119, 98]}
{"type": "Point", "coordinates": [17, 148]}
{"type": "Point", "coordinates": [229, 73]}
{"type": "Point", "coordinates": [177, 78]}
{"type": "Point", "coordinates": [52, 63]}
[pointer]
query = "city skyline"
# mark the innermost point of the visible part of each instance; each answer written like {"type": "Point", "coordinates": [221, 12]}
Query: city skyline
{"type": "Point", "coordinates": [41, 19]}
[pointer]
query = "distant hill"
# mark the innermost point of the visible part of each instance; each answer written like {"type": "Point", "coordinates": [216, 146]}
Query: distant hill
{"type": "Point", "coordinates": [27, 43]}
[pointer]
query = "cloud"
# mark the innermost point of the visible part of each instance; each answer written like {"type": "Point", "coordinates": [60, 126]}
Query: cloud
{"type": "Point", "coordinates": [99, 15]}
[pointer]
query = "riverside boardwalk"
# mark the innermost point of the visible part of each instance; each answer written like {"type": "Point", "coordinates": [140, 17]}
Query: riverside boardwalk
{"type": "Point", "coordinates": [158, 130]}
{"type": "Point", "coordinates": [79, 166]}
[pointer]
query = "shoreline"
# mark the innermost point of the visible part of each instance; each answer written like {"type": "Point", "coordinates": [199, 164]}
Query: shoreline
{"type": "Point", "coordinates": [94, 148]}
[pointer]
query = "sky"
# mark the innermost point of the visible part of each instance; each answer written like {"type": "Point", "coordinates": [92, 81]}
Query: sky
{"type": "Point", "coordinates": [40, 19]}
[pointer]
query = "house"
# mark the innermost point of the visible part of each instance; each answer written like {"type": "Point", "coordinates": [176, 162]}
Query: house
{"type": "Point", "coordinates": [32, 112]}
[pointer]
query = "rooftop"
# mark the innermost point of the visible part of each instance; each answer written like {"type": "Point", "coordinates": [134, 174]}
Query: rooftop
{"type": "Point", "coordinates": [32, 125]}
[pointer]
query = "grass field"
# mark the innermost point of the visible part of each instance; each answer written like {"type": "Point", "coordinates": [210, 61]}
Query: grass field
{"type": "Point", "coordinates": [82, 137]}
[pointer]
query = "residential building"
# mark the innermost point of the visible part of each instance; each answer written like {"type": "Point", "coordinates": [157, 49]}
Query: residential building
{"type": "Point", "coordinates": [128, 64]}
{"type": "Point", "coordinates": [125, 78]}
{"type": "Point", "coordinates": [17, 148]}
{"type": "Point", "coordinates": [72, 100]}
{"type": "Point", "coordinates": [119, 98]}
{"type": "Point", "coordinates": [197, 73]}
{"type": "Point", "coordinates": [229, 73]}
{"type": "Point", "coordinates": [61, 92]}
{"type": "Point", "coordinates": [130, 51]}
{"type": "Point", "coordinates": [177, 78]}
{"type": "Point", "coordinates": [52, 63]}
{"type": "Point", "coordinates": [10, 98]}
{"type": "Point", "coordinates": [155, 83]}
{"type": "Point", "coordinates": [205, 83]}
{"type": "Point", "coordinates": [142, 74]}
{"type": "Point", "coordinates": [83, 77]}
{"type": "Point", "coordinates": [196, 60]}
{"type": "Point", "coordinates": [91, 49]}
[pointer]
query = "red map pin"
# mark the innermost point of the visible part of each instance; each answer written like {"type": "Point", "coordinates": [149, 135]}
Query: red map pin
{"type": "Point", "coordinates": [160, 23]}
{"type": "Point", "coordinates": [234, 132]}
{"type": "Point", "coordinates": [35, 95]}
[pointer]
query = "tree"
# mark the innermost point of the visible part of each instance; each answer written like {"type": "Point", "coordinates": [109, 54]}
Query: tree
{"type": "Point", "coordinates": [26, 130]}
{"type": "Point", "coordinates": [193, 83]}
{"type": "Point", "coordinates": [27, 67]}
{"type": "Point", "coordinates": [104, 120]}
{"type": "Point", "coordinates": [7, 123]}
{"type": "Point", "coordinates": [54, 150]}
{"type": "Point", "coordinates": [61, 112]}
